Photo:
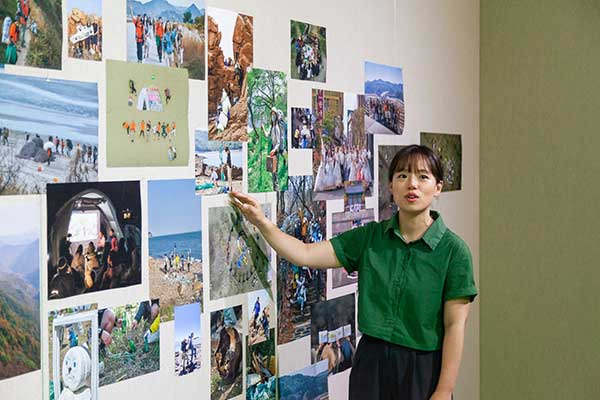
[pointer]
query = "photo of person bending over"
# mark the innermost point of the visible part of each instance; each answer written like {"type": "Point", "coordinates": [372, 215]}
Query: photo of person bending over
{"type": "Point", "coordinates": [415, 284]}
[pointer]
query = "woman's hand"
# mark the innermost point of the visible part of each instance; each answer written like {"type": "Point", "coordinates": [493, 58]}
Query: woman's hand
{"type": "Point", "coordinates": [441, 395]}
{"type": "Point", "coordinates": [250, 208]}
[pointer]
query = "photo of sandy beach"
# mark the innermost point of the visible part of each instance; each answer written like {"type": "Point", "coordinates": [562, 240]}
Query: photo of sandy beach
{"type": "Point", "coordinates": [48, 133]}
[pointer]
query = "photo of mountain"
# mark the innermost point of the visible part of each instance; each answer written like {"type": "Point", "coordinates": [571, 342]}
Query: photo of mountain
{"type": "Point", "coordinates": [19, 288]}
{"type": "Point", "coordinates": [166, 10]}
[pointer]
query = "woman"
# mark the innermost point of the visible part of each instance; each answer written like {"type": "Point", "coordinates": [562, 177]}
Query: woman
{"type": "Point", "coordinates": [415, 279]}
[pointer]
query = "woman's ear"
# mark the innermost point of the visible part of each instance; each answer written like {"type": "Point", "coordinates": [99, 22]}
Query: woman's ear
{"type": "Point", "coordinates": [439, 187]}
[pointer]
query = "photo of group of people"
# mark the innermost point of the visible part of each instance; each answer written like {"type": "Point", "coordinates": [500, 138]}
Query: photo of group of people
{"type": "Point", "coordinates": [267, 131]}
{"type": "Point", "coordinates": [169, 33]}
{"type": "Point", "coordinates": [188, 326]}
{"type": "Point", "coordinates": [303, 128]}
{"type": "Point", "coordinates": [218, 165]}
{"type": "Point", "coordinates": [333, 335]}
{"type": "Point", "coordinates": [148, 125]}
{"type": "Point", "coordinates": [230, 56]}
{"type": "Point", "coordinates": [226, 344]}
{"type": "Point", "coordinates": [174, 244]}
{"type": "Point", "coordinates": [84, 27]}
{"type": "Point", "coordinates": [48, 133]}
{"type": "Point", "coordinates": [308, 51]}
{"type": "Point", "coordinates": [32, 33]}
{"type": "Point", "coordinates": [94, 237]}
{"type": "Point", "coordinates": [384, 99]}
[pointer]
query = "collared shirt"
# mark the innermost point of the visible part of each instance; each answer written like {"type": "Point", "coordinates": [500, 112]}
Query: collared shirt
{"type": "Point", "coordinates": [403, 286]}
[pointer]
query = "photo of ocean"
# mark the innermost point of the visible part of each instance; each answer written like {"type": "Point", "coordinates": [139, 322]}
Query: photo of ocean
{"type": "Point", "coordinates": [180, 242]}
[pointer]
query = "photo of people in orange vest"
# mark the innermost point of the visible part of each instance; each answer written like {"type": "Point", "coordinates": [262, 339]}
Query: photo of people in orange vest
{"type": "Point", "coordinates": [168, 33]}
{"type": "Point", "coordinates": [31, 34]}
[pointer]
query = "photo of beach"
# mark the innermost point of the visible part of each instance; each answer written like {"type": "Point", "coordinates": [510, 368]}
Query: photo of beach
{"type": "Point", "coordinates": [174, 244]}
{"type": "Point", "coordinates": [48, 133]}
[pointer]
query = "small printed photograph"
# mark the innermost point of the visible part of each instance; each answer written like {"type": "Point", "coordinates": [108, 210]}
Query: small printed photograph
{"type": "Point", "coordinates": [299, 287]}
{"type": "Point", "coordinates": [32, 33]}
{"type": "Point", "coordinates": [309, 383]}
{"type": "Point", "coordinates": [84, 26]}
{"type": "Point", "coordinates": [230, 57]}
{"type": "Point", "coordinates": [226, 344]}
{"type": "Point", "coordinates": [342, 156]}
{"type": "Point", "coordinates": [73, 353]}
{"type": "Point", "coordinates": [94, 237]}
{"type": "Point", "coordinates": [187, 338]}
{"type": "Point", "coordinates": [239, 256]}
{"type": "Point", "coordinates": [261, 316]}
{"type": "Point", "coordinates": [169, 33]}
{"type": "Point", "coordinates": [48, 133]}
{"type": "Point", "coordinates": [129, 339]}
{"type": "Point", "coordinates": [384, 99]}
{"type": "Point", "coordinates": [19, 287]}
{"type": "Point", "coordinates": [387, 206]}
{"type": "Point", "coordinates": [174, 244]}
{"type": "Point", "coordinates": [333, 333]}
{"type": "Point", "coordinates": [341, 222]}
{"type": "Point", "coordinates": [219, 165]}
{"type": "Point", "coordinates": [308, 49]}
{"type": "Point", "coordinates": [267, 131]}
{"type": "Point", "coordinates": [261, 369]}
{"type": "Point", "coordinates": [146, 118]}
{"type": "Point", "coordinates": [448, 147]}
{"type": "Point", "coordinates": [303, 128]}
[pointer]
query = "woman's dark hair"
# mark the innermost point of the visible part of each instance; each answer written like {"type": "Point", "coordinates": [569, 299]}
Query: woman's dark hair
{"type": "Point", "coordinates": [408, 159]}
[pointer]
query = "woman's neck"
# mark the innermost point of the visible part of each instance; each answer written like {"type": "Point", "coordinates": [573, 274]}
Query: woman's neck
{"type": "Point", "coordinates": [414, 226]}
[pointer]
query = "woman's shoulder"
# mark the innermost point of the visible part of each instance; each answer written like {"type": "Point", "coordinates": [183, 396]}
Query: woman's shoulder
{"type": "Point", "coordinates": [456, 244]}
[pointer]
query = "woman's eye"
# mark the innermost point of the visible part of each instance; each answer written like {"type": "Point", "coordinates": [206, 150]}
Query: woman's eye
{"type": "Point", "coordinates": [424, 177]}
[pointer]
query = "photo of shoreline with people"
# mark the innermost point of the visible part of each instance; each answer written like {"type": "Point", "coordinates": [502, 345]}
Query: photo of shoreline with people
{"type": "Point", "coordinates": [218, 165]}
{"type": "Point", "coordinates": [48, 133]}
{"type": "Point", "coordinates": [84, 28]}
{"type": "Point", "coordinates": [174, 244]}
{"type": "Point", "coordinates": [342, 156]}
{"type": "Point", "coordinates": [230, 56]}
{"type": "Point", "coordinates": [384, 99]}
{"type": "Point", "coordinates": [94, 237]}
{"type": "Point", "coordinates": [147, 125]}
{"type": "Point", "coordinates": [169, 33]}
{"type": "Point", "coordinates": [32, 33]}
{"type": "Point", "coordinates": [188, 339]}
{"type": "Point", "coordinates": [308, 52]}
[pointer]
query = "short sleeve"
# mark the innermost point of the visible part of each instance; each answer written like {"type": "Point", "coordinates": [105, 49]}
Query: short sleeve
{"type": "Point", "coordinates": [349, 246]}
{"type": "Point", "coordinates": [459, 278]}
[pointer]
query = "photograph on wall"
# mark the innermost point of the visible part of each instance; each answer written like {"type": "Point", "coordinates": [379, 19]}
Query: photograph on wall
{"type": "Point", "coordinates": [350, 218]}
{"type": "Point", "coordinates": [448, 148]}
{"type": "Point", "coordinates": [230, 56]}
{"type": "Point", "coordinates": [76, 376]}
{"type": "Point", "coordinates": [261, 316]}
{"type": "Point", "coordinates": [226, 342]}
{"type": "Point", "coordinates": [129, 341]}
{"type": "Point", "coordinates": [94, 237]}
{"type": "Point", "coordinates": [19, 287]}
{"type": "Point", "coordinates": [384, 99]}
{"type": "Point", "coordinates": [84, 27]}
{"type": "Point", "coordinates": [299, 287]}
{"type": "Point", "coordinates": [309, 383]}
{"type": "Point", "coordinates": [32, 33]}
{"type": "Point", "coordinates": [174, 244]}
{"type": "Point", "coordinates": [239, 256]}
{"type": "Point", "coordinates": [333, 333]}
{"type": "Point", "coordinates": [188, 324]}
{"type": "Point", "coordinates": [387, 206]}
{"type": "Point", "coordinates": [218, 164]}
{"type": "Point", "coordinates": [49, 133]}
{"type": "Point", "coordinates": [146, 116]}
{"type": "Point", "coordinates": [169, 33]}
{"type": "Point", "coordinates": [303, 128]}
{"type": "Point", "coordinates": [342, 156]}
{"type": "Point", "coordinates": [267, 131]}
{"type": "Point", "coordinates": [308, 47]}
{"type": "Point", "coordinates": [261, 369]}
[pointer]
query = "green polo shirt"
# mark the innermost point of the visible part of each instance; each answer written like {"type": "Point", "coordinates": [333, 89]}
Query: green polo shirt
{"type": "Point", "coordinates": [403, 286]}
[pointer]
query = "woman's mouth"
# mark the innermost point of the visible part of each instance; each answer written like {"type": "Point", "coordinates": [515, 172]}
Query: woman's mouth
{"type": "Point", "coordinates": [411, 197]}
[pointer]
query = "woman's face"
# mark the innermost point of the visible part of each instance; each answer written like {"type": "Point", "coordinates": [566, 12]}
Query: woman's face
{"type": "Point", "coordinates": [414, 191]}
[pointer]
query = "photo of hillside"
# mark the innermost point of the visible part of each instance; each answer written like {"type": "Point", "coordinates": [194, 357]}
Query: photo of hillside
{"type": "Point", "coordinates": [19, 289]}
